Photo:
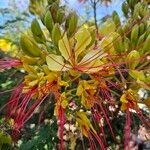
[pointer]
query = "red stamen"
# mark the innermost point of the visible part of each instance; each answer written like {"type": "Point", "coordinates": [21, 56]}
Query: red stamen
{"type": "Point", "coordinates": [18, 106]}
{"type": "Point", "coordinates": [127, 130]}
{"type": "Point", "coordinates": [142, 118]}
{"type": "Point", "coordinates": [99, 140]}
{"type": "Point", "coordinates": [62, 120]}
{"type": "Point", "coordinates": [97, 117]}
{"type": "Point", "coordinates": [92, 143]}
{"type": "Point", "coordinates": [107, 119]}
{"type": "Point", "coordinates": [7, 63]}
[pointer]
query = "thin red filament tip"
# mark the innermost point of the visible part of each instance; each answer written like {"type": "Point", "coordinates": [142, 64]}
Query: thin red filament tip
{"type": "Point", "coordinates": [7, 63]}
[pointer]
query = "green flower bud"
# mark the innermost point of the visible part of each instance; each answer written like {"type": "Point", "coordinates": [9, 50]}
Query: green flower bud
{"type": "Point", "coordinates": [37, 32]}
{"type": "Point", "coordinates": [71, 23]}
{"type": "Point", "coordinates": [60, 16]}
{"type": "Point", "coordinates": [56, 34]}
{"type": "Point", "coordinates": [116, 18]}
{"type": "Point", "coordinates": [134, 34]}
{"type": "Point", "coordinates": [29, 46]}
{"type": "Point", "coordinates": [48, 21]}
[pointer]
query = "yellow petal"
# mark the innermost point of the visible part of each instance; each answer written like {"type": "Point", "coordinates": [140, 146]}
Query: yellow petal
{"type": "Point", "coordinates": [33, 83]}
{"type": "Point", "coordinates": [80, 90]}
{"type": "Point", "coordinates": [84, 127]}
{"type": "Point", "coordinates": [84, 121]}
{"type": "Point", "coordinates": [63, 83]}
{"type": "Point", "coordinates": [147, 102]}
{"type": "Point", "coordinates": [73, 142]}
{"type": "Point", "coordinates": [124, 106]}
{"type": "Point", "coordinates": [30, 77]}
{"type": "Point", "coordinates": [4, 45]}
{"type": "Point", "coordinates": [56, 63]}
{"type": "Point", "coordinates": [51, 77]}
{"type": "Point", "coordinates": [84, 132]}
{"type": "Point", "coordinates": [85, 102]}
{"type": "Point", "coordinates": [29, 69]}
{"type": "Point", "coordinates": [89, 85]}
{"type": "Point", "coordinates": [123, 99]}
{"type": "Point", "coordinates": [74, 73]}
{"type": "Point", "coordinates": [64, 103]}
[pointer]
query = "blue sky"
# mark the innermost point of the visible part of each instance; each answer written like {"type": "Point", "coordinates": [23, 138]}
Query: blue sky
{"type": "Point", "coordinates": [102, 10]}
{"type": "Point", "coordinates": [78, 7]}
{"type": "Point", "coordinates": [20, 3]}
{"type": "Point", "coordinates": [3, 3]}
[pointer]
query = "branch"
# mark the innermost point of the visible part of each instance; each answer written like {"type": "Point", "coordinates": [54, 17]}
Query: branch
{"type": "Point", "coordinates": [94, 5]}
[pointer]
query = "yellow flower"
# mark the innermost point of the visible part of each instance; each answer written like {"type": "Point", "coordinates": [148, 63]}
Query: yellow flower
{"type": "Point", "coordinates": [86, 89]}
{"type": "Point", "coordinates": [129, 100]}
{"type": "Point", "coordinates": [5, 45]}
{"type": "Point", "coordinates": [64, 103]}
{"type": "Point", "coordinates": [63, 83]}
{"type": "Point", "coordinates": [61, 102]}
{"type": "Point", "coordinates": [38, 79]}
{"type": "Point", "coordinates": [84, 123]}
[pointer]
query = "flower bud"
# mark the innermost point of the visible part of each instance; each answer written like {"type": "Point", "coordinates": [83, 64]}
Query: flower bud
{"type": "Point", "coordinates": [125, 9]}
{"type": "Point", "coordinates": [134, 34]}
{"type": "Point", "coordinates": [116, 18]}
{"type": "Point", "coordinates": [56, 34]}
{"type": "Point", "coordinates": [29, 46]}
{"type": "Point", "coordinates": [71, 23]}
{"type": "Point", "coordinates": [37, 32]}
{"type": "Point", "coordinates": [60, 16]}
{"type": "Point", "coordinates": [48, 21]}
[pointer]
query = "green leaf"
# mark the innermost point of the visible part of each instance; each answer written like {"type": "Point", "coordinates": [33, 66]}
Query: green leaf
{"type": "Point", "coordinates": [56, 63]}
{"type": "Point", "coordinates": [138, 75]}
{"type": "Point", "coordinates": [4, 138]}
{"type": "Point", "coordinates": [107, 43]}
{"type": "Point", "coordinates": [83, 38]}
{"type": "Point", "coordinates": [133, 58]}
{"type": "Point", "coordinates": [107, 27]}
{"type": "Point", "coordinates": [64, 48]}
{"type": "Point", "coordinates": [91, 61]}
